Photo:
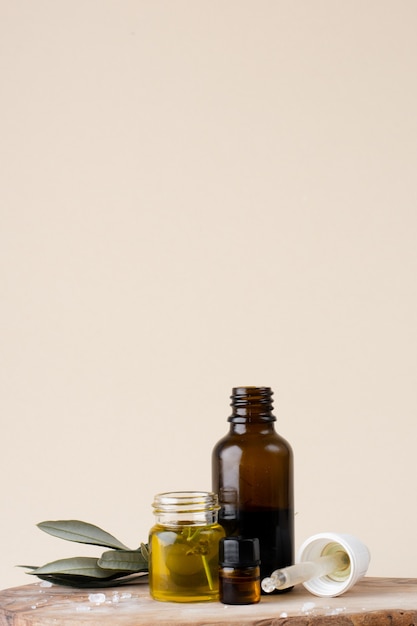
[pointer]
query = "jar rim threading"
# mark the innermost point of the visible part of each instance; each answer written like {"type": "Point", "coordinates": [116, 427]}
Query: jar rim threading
{"type": "Point", "coordinates": [185, 501]}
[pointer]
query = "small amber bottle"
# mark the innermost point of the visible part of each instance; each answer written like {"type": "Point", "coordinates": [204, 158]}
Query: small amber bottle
{"type": "Point", "coordinates": [239, 573]}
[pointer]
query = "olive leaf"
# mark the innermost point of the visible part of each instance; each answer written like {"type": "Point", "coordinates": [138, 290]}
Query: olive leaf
{"type": "Point", "coordinates": [124, 561]}
{"type": "Point", "coordinates": [75, 566]}
{"type": "Point", "coordinates": [81, 532]}
{"type": "Point", "coordinates": [87, 582]}
{"type": "Point", "coordinates": [144, 550]}
{"type": "Point", "coordinates": [117, 566]}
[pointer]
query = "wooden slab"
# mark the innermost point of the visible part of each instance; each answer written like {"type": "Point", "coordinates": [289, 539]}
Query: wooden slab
{"type": "Point", "coordinates": [372, 602]}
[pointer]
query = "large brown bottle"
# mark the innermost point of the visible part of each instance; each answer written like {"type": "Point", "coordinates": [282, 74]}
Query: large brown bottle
{"type": "Point", "coordinates": [252, 473]}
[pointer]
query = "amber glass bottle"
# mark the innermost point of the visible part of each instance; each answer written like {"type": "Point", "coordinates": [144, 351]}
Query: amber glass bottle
{"type": "Point", "coordinates": [252, 473]}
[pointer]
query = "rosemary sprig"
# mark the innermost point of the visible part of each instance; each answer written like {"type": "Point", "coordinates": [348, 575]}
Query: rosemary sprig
{"type": "Point", "coordinates": [202, 548]}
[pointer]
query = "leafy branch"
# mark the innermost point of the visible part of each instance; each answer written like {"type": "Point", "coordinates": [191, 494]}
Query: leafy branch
{"type": "Point", "coordinates": [118, 565]}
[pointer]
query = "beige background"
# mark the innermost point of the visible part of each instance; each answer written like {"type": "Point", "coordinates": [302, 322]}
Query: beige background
{"type": "Point", "coordinates": [197, 195]}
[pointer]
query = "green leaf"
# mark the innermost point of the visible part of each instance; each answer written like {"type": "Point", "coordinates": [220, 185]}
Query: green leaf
{"type": "Point", "coordinates": [81, 532]}
{"type": "Point", "coordinates": [75, 566]}
{"type": "Point", "coordinates": [145, 551]}
{"type": "Point", "coordinates": [124, 561]}
{"type": "Point", "coordinates": [86, 582]}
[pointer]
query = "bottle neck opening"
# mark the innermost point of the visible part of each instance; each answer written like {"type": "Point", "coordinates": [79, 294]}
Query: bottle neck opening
{"type": "Point", "coordinates": [252, 404]}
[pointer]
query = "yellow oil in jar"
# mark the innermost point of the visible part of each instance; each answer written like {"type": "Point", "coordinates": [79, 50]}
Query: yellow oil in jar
{"type": "Point", "coordinates": [184, 562]}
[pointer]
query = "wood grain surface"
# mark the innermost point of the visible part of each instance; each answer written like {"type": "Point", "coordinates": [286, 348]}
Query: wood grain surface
{"type": "Point", "coordinates": [372, 602]}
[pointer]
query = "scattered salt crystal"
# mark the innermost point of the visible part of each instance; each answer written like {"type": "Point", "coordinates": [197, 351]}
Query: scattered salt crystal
{"type": "Point", "coordinates": [307, 606]}
{"type": "Point", "coordinates": [33, 606]}
{"type": "Point", "coordinates": [336, 611]}
{"type": "Point", "coordinates": [115, 597]}
{"type": "Point", "coordinates": [97, 598]}
{"type": "Point", "coordinates": [83, 608]}
{"type": "Point", "coordinates": [46, 583]}
{"type": "Point", "coordinates": [283, 614]}
{"type": "Point", "coordinates": [126, 596]}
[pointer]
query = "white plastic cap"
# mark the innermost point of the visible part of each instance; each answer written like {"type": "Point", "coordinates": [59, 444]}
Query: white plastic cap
{"type": "Point", "coordinates": [327, 543]}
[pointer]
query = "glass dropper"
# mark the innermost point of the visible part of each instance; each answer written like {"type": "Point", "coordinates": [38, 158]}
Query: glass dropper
{"type": "Point", "coordinates": [332, 564]}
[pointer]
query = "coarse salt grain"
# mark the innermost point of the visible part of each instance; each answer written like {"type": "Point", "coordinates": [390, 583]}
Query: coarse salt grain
{"type": "Point", "coordinates": [125, 596]}
{"type": "Point", "coordinates": [97, 598]}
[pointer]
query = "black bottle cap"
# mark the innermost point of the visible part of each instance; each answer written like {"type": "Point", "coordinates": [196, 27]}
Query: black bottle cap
{"type": "Point", "coordinates": [239, 552]}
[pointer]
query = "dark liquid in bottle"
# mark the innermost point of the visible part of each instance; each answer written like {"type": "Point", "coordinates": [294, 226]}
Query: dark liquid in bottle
{"type": "Point", "coordinates": [240, 586]}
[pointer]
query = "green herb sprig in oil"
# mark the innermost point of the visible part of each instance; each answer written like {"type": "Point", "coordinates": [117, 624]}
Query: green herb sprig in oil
{"type": "Point", "coordinates": [202, 548]}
